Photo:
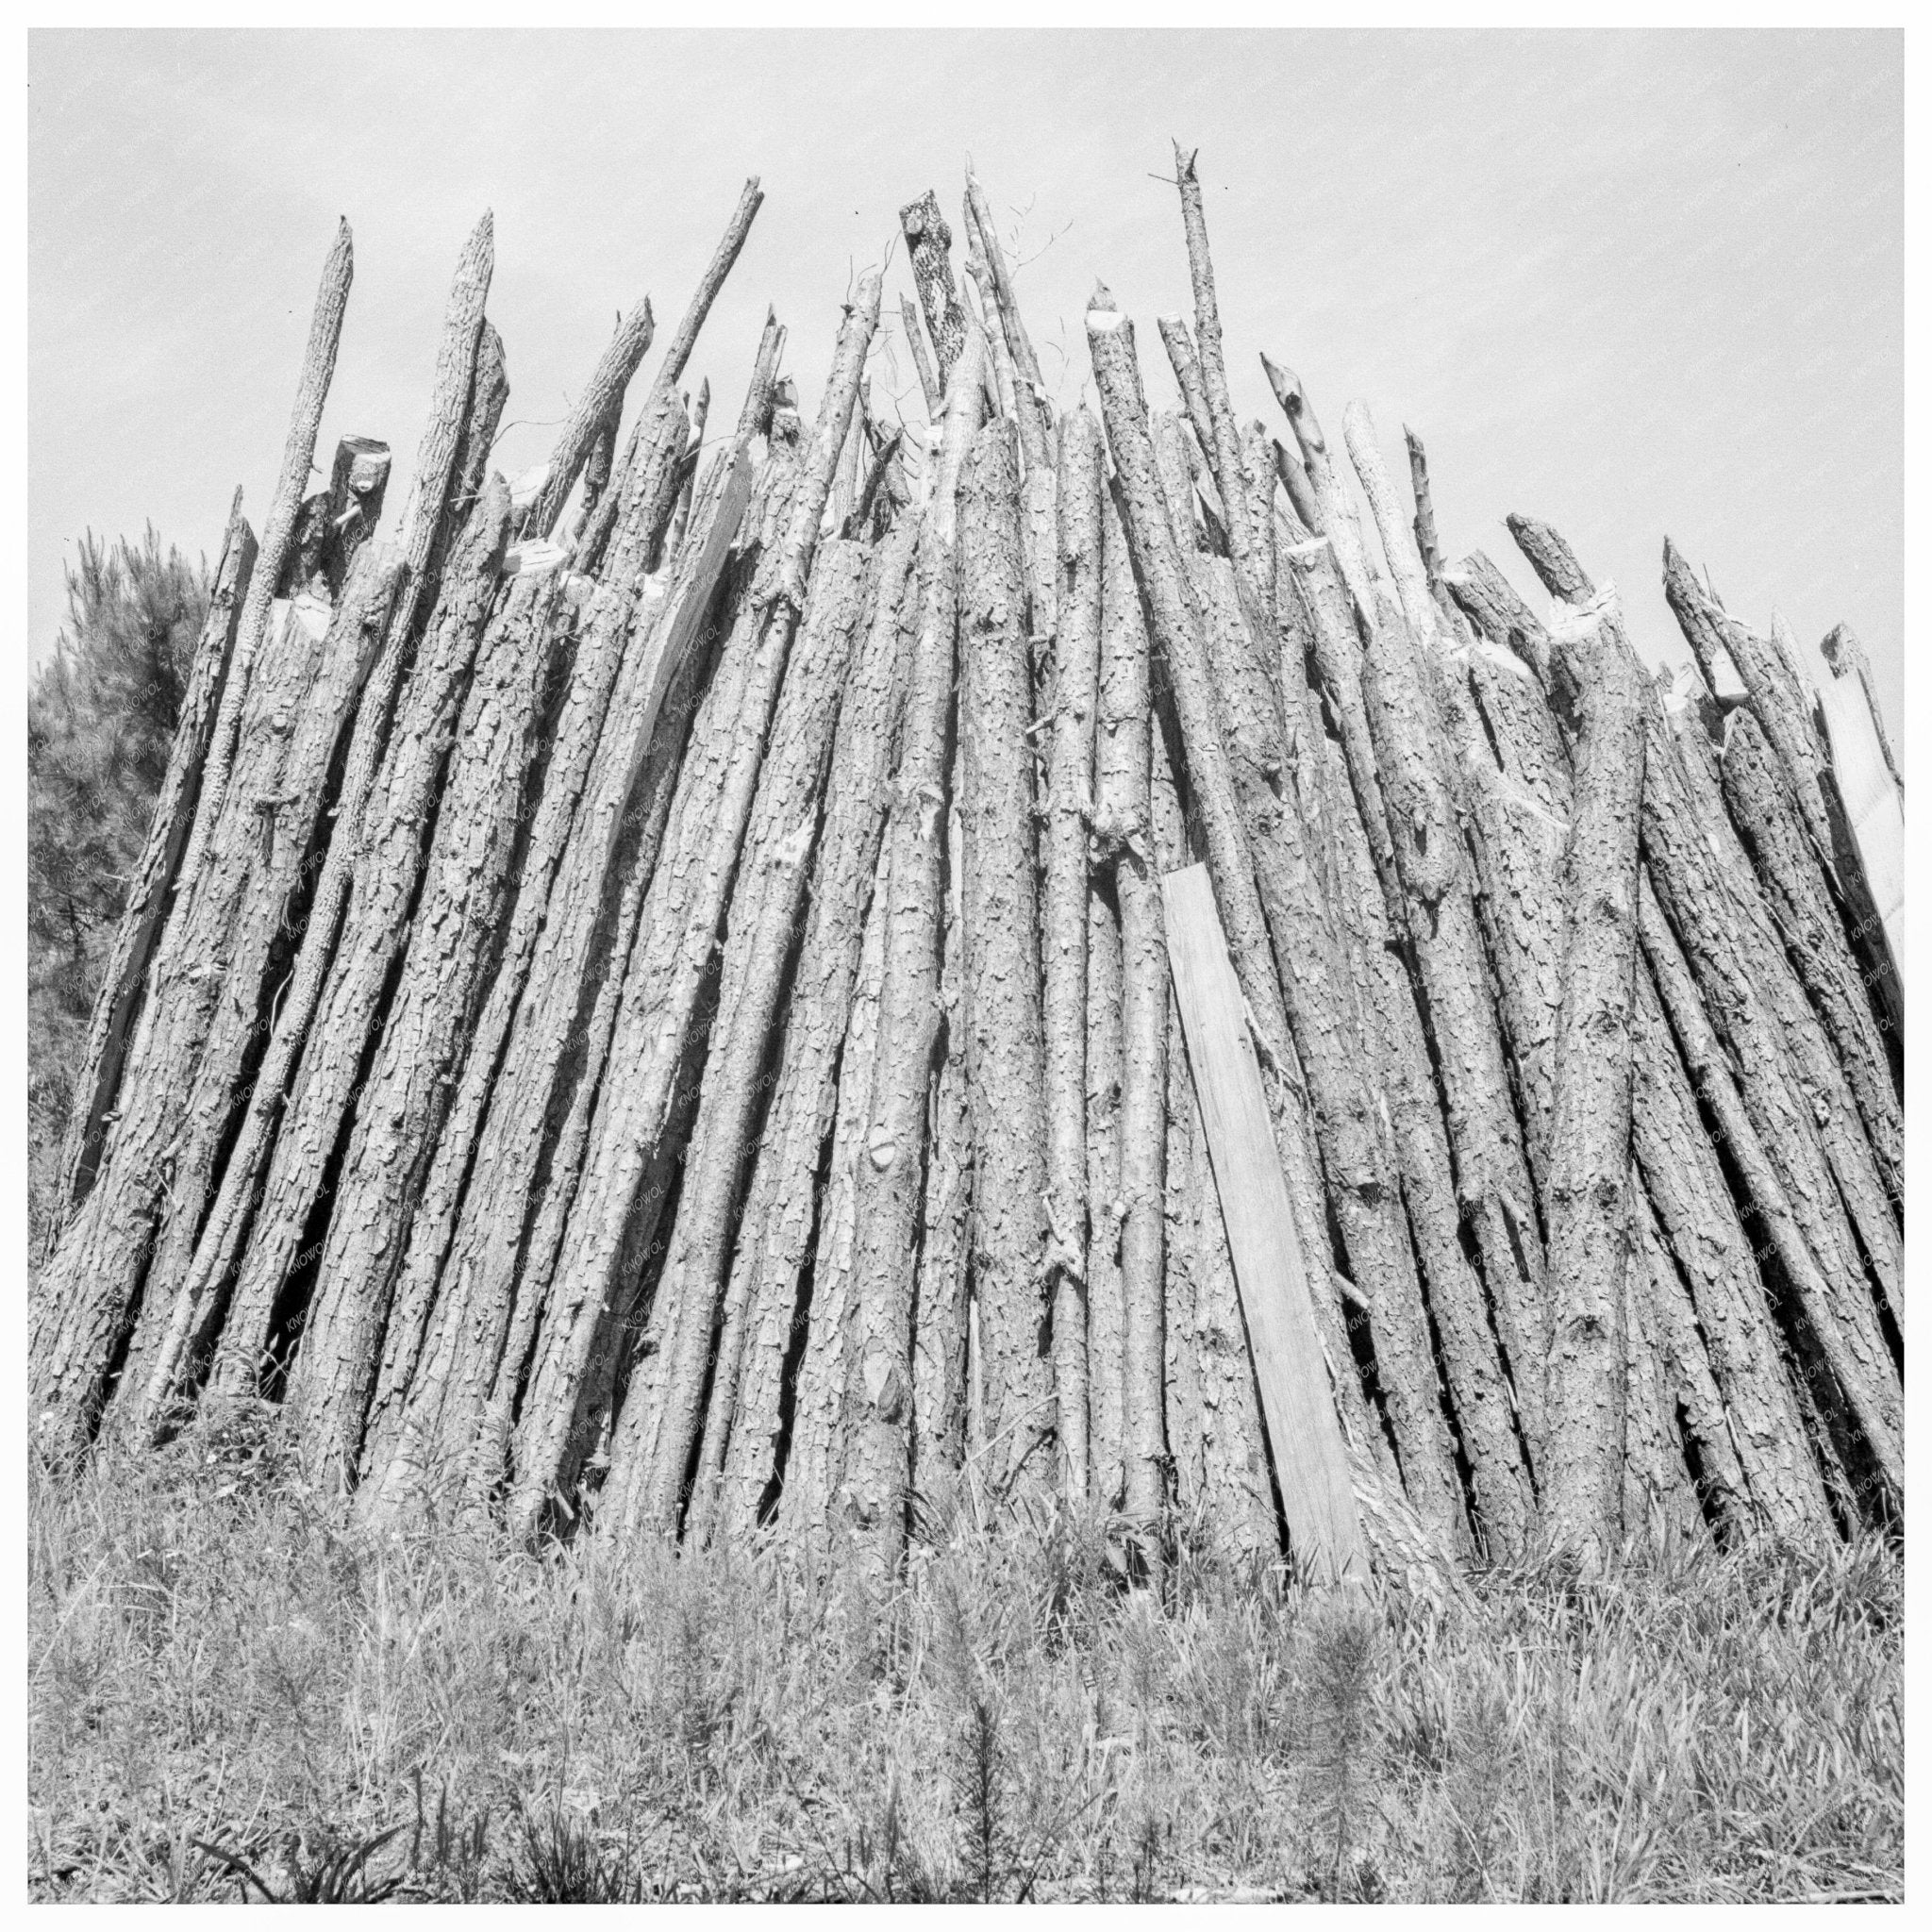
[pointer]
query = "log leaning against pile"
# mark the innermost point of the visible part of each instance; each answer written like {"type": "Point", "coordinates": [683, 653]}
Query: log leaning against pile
{"type": "Point", "coordinates": [751, 1005]}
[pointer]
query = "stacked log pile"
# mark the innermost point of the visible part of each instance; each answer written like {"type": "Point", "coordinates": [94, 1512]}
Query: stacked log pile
{"type": "Point", "coordinates": [648, 1001]}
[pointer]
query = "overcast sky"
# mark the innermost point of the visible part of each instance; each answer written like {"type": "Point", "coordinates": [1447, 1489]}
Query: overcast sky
{"type": "Point", "coordinates": [1631, 283]}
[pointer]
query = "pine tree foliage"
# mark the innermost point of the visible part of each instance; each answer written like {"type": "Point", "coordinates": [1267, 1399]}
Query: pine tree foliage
{"type": "Point", "coordinates": [101, 716]}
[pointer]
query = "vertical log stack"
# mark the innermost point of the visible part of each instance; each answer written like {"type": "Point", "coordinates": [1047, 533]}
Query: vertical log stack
{"type": "Point", "coordinates": [649, 1001]}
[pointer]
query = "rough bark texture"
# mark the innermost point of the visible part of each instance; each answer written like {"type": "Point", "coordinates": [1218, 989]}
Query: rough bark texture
{"type": "Point", "coordinates": [1432, 864]}
{"type": "Point", "coordinates": [1248, 536]}
{"type": "Point", "coordinates": [928, 240]}
{"type": "Point", "coordinates": [1394, 1534]}
{"type": "Point", "coordinates": [1786, 1197]}
{"type": "Point", "coordinates": [1784, 711]}
{"type": "Point", "coordinates": [1590, 1210]}
{"type": "Point", "coordinates": [205, 992]}
{"type": "Point", "coordinates": [1814, 940]}
{"type": "Point", "coordinates": [658, 1428]}
{"type": "Point", "coordinates": [150, 892]}
{"type": "Point", "coordinates": [1126, 837]}
{"type": "Point", "coordinates": [775, 1225]}
{"type": "Point", "coordinates": [1759, 1007]}
{"type": "Point", "coordinates": [645, 1053]}
{"type": "Point", "coordinates": [590, 425]}
{"type": "Point", "coordinates": [1351, 1129]}
{"type": "Point", "coordinates": [278, 541]}
{"type": "Point", "coordinates": [1063, 925]}
{"type": "Point", "coordinates": [808, 1478]}
{"type": "Point", "coordinates": [334, 1004]}
{"type": "Point", "coordinates": [1005, 1057]}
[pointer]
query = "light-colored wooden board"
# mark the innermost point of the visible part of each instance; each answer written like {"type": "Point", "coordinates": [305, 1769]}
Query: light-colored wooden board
{"type": "Point", "coordinates": [1304, 1433]}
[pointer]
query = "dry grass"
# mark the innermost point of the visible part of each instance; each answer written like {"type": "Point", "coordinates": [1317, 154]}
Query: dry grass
{"type": "Point", "coordinates": [217, 1663]}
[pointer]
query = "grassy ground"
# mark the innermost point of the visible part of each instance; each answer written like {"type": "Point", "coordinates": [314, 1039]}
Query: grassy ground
{"type": "Point", "coordinates": [215, 1657]}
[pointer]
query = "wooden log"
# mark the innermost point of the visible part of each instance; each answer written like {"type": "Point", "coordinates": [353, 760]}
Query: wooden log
{"type": "Point", "coordinates": [1063, 925]}
{"type": "Point", "coordinates": [1309, 1458]}
{"type": "Point", "coordinates": [504, 1247]}
{"type": "Point", "coordinates": [334, 1007]}
{"type": "Point", "coordinates": [207, 985]}
{"type": "Point", "coordinates": [1426, 546]}
{"type": "Point", "coordinates": [1328, 513]}
{"type": "Point", "coordinates": [1397, 538]}
{"type": "Point", "coordinates": [928, 240]}
{"type": "Point", "coordinates": [1350, 1117]}
{"type": "Point", "coordinates": [771, 1274]}
{"type": "Point", "coordinates": [1861, 1216]}
{"type": "Point", "coordinates": [647, 432]}
{"type": "Point", "coordinates": [1501, 1493]}
{"type": "Point", "coordinates": [1126, 841]}
{"type": "Point", "coordinates": [922, 357]}
{"type": "Point", "coordinates": [1802, 910]}
{"type": "Point", "coordinates": [1400, 698]}
{"type": "Point", "coordinates": [1006, 1061]}
{"type": "Point", "coordinates": [277, 537]}
{"type": "Point", "coordinates": [1786, 712]}
{"type": "Point", "coordinates": [1186, 363]}
{"type": "Point", "coordinates": [183, 1293]}
{"type": "Point", "coordinates": [1589, 1219]}
{"type": "Point", "coordinates": [1034, 409]}
{"type": "Point", "coordinates": [657, 1431]}
{"type": "Point", "coordinates": [596, 409]}
{"type": "Point", "coordinates": [123, 980]}
{"type": "Point", "coordinates": [640, 1081]}
{"type": "Point", "coordinates": [778, 1199]}
{"type": "Point", "coordinates": [943, 1291]}
{"type": "Point", "coordinates": [801, 1491]}
{"type": "Point", "coordinates": [1684, 1179]}
{"type": "Point", "coordinates": [1785, 1191]}
{"type": "Point", "coordinates": [1250, 539]}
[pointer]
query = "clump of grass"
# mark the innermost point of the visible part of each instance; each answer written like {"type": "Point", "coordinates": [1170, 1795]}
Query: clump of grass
{"type": "Point", "coordinates": [215, 1657]}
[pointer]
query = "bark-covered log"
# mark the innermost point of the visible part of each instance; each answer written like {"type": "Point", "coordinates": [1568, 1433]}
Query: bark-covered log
{"type": "Point", "coordinates": [1438, 906]}
{"type": "Point", "coordinates": [657, 1431]}
{"type": "Point", "coordinates": [278, 538]}
{"type": "Point", "coordinates": [943, 1286]}
{"type": "Point", "coordinates": [1590, 1235]}
{"type": "Point", "coordinates": [334, 1004]}
{"type": "Point", "coordinates": [503, 1245]}
{"type": "Point", "coordinates": [928, 240]}
{"type": "Point", "coordinates": [1329, 512]}
{"type": "Point", "coordinates": [1711, 1248]}
{"type": "Point", "coordinates": [1123, 755]}
{"type": "Point", "coordinates": [664, 979]}
{"type": "Point", "coordinates": [922, 357]}
{"type": "Point", "coordinates": [1006, 1061]}
{"type": "Point", "coordinates": [1063, 925]}
{"type": "Point", "coordinates": [590, 424]}
{"type": "Point", "coordinates": [1249, 537]}
{"type": "Point", "coordinates": [150, 892]}
{"type": "Point", "coordinates": [205, 993]}
{"type": "Point", "coordinates": [1504, 1501]}
{"type": "Point", "coordinates": [1351, 1123]}
{"type": "Point", "coordinates": [646, 436]}
{"type": "Point", "coordinates": [1785, 713]}
{"type": "Point", "coordinates": [1814, 940]}
{"type": "Point", "coordinates": [1033, 408]}
{"type": "Point", "coordinates": [776, 1217]}
{"type": "Point", "coordinates": [1393, 1531]}
{"type": "Point", "coordinates": [1785, 1193]}
{"type": "Point", "coordinates": [1796, 1078]}
{"type": "Point", "coordinates": [807, 1480]}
